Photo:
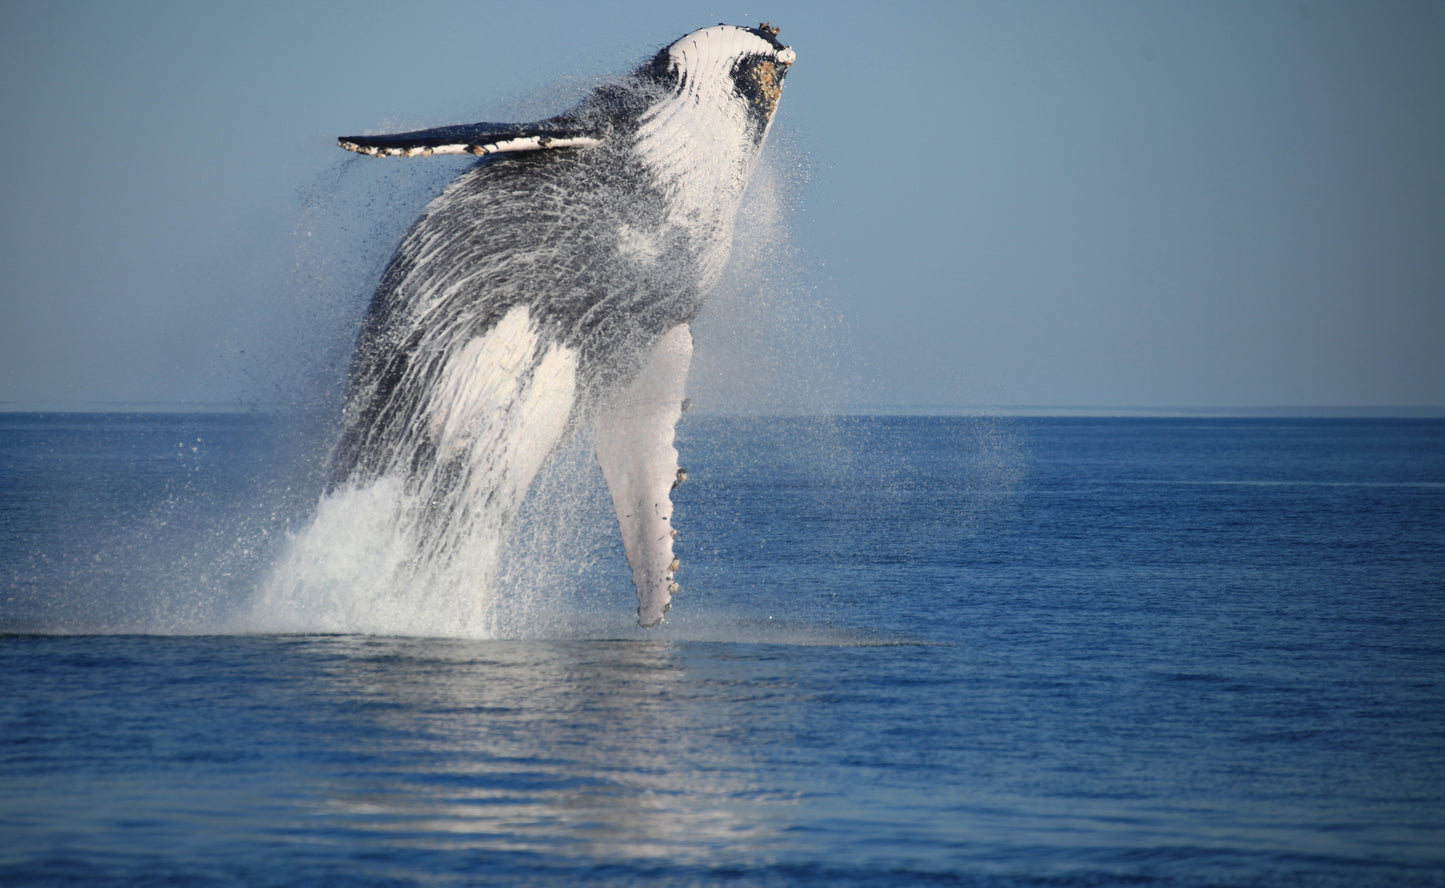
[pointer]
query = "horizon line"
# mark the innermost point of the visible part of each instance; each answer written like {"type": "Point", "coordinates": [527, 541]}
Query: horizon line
{"type": "Point", "coordinates": [863, 409]}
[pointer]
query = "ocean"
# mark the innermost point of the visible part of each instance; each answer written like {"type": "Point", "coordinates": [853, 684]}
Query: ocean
{"type": "Point", "coordinates": [978, 651]}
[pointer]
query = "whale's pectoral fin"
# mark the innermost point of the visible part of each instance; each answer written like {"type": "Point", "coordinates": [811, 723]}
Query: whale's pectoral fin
{"type": "Point", "coordinates": [476, 138]}
{"type": "Point", "coordinates": [635, 449]}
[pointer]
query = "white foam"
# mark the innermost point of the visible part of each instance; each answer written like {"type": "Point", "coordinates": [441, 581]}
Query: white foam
{"type": "Point", "coordinates": [416, 553]}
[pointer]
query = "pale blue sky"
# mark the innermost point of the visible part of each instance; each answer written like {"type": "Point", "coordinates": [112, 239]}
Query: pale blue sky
{"type": "Point", "coordinates": [1137, 204]}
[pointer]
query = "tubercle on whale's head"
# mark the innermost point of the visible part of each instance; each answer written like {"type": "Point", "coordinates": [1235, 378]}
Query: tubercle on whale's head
{"type": "Point", "coordinates": [759, 76]}
{"type": "Point", "coordinates": [761, 80]}
{"type": "Point", "coordinates": [752, 60]}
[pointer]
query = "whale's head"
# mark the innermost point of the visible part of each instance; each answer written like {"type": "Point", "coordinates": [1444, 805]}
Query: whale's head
{"type": "Point", "coordinates": [688, 126]}
{"type": "Point", "coordinates": [711, 102]}
{"type": "Point", "coordinates": [733, 71]}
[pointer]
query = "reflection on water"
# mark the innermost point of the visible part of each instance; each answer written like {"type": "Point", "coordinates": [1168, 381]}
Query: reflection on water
{"type": "Point", "coordinates": [597, 750]}
{"type": "Point", "coordinates": [346, 760]}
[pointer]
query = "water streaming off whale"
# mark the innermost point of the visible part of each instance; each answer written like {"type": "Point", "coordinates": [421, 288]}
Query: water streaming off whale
{"type": "Point", "coordinates": [545, 298]}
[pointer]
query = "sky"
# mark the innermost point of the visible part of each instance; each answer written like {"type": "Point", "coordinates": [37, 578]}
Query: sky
{"type": "Point", "coordinates": [1193, 204]}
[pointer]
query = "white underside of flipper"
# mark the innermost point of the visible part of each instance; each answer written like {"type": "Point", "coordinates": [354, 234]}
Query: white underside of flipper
{"type": "Point", "coordinates": [635, 449]}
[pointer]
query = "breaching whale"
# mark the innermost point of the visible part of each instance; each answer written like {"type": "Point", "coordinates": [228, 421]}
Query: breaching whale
{"type": "Point", "coordinates": [551, 285]}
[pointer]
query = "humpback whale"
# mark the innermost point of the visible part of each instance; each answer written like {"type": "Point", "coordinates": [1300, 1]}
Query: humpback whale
{"type": "Point", "coordinates": [552, 285]}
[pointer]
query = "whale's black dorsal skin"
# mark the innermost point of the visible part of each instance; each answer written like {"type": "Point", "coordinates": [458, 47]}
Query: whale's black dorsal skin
{"type": "Point", "coordinates": [554, 283]}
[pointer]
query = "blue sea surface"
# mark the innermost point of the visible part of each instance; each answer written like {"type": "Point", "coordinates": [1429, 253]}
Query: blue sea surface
{"type": "Point", "coordinates": [908, 651]}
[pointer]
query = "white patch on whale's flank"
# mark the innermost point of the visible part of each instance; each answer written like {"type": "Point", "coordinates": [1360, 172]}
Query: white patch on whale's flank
{"type": "Point", "coordinates": [502, 403]}
{"type": "Point", "coordinates": [635, 449]}
{"type": "Point", "coordinates": [478, 381]}
{"type": "Point", "coordinates": [541, 415]}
